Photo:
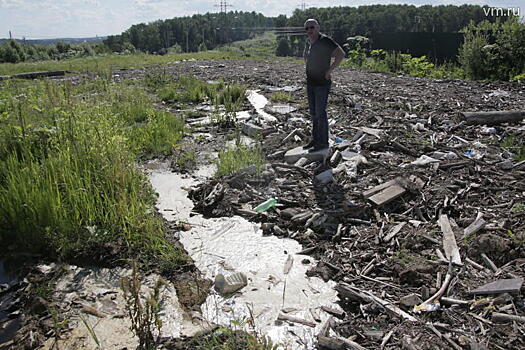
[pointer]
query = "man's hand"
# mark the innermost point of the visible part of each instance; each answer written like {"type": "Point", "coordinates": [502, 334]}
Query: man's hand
{"type": "Point", "coordinates": [328, 75]}
{"type": "Point", "coordinates": [338, 55]}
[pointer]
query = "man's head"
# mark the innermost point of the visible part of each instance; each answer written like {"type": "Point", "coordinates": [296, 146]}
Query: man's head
{"type": "Point", "coordinates": [311, 27]}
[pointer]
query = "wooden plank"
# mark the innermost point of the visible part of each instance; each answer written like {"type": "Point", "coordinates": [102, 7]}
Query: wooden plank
{"type": "Point", "coordinates": [477, 225]}
{"type": "Point", "coordinates": [493, 118]}
{"type": "Point", "coordinates": [394, 232]}
{"type": "Point", "coordinates": [370, 131]}
{"type": "Point", "coordinates": [335, 312]}
{"type": "Point", "coordinates": [378, 188]}
{"type": "Point", "coordinates": [387, 195]}
{"type": "Point", "coordinates": [449, 241]}
{"type": "Point", "coordinates": [512, 286]}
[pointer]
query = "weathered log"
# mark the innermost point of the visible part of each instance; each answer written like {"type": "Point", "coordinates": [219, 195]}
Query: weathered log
{"type": "Point", "coordinates": [331, 343]}
{"type": "Point", "coordinates": [493, 118]}
{"type": "Point", "coordinates": [502, 318]}
{"type": "Point", "coordinates": [350, 292]}
{"type": "Point", "coordinates": [292, 319]}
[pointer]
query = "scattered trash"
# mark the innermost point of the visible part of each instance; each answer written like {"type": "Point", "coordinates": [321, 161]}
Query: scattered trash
{"type": "Point", "coordinates": [444, 155]}
{"type": "Point", "coordinates": [424, 160]}
{"type": "Point", "coordinates": [265, 205]}
{"type": "Point", "coordinates": [488, 130]}
{"type": "Point", "coordinates": [231, 283]}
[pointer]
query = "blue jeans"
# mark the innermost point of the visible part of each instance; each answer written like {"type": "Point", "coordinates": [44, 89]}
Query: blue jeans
{"type": "Point", "coordinates": [317, 101]}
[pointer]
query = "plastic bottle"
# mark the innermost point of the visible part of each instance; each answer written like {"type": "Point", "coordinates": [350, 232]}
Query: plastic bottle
{"type": "Point", "coordinates": [264, 206]}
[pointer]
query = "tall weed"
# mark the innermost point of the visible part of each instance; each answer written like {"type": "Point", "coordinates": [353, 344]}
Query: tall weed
{"type": "Point", "coordinates": [68, 178]}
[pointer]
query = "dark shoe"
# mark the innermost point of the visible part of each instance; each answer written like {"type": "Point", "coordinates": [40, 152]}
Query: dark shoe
{"type": "Point", "coordinates": [317, 147]}
{"type": "Point", "coordinates": [309, 145]}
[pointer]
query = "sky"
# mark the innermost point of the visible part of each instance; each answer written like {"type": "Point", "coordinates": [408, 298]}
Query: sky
{"type": "Point", "coordinates": [46, 19]}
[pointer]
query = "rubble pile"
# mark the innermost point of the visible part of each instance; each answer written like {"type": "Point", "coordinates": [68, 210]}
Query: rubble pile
{"type": "Point", "coordinates": [418, 211]}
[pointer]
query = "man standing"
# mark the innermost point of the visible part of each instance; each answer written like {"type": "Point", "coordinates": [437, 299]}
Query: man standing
{"type": "Point", "coordinates": [318, 54]}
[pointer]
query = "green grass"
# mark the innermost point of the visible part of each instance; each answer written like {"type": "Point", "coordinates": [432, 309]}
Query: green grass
{"type": "Point", "coordinates": [518, 208]}
{"type": "Point", "coordinates": [102, 64]}
{"type": "Point", "coordinates": [281, 96]}
{"type": "Point", "coordinates": [397, 63]}
{"type": "Point", "coordinates": [69, 184]}
{"type": "Point", "coordinates": [238, 157]}
{"type": "Point", "coordinates": [261, 46]}
{"type": "Point", "coordinates": [230, 339]}
{"type": "Point", "coordinates": [515, 145]}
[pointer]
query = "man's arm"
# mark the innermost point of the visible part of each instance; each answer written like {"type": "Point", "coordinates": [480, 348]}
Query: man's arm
{"type": "Point", "coordinates": [338, 55]}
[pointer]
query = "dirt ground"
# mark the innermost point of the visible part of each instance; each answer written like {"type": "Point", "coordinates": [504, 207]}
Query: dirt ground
{"type": "Point", "coordinates": [390, 250]}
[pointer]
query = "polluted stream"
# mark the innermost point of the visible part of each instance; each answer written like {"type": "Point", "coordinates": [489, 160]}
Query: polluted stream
{"type": "Point", "coordinates": [276, 274]}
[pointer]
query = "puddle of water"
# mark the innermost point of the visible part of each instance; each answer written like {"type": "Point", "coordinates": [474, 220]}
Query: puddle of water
{"type": "Point", "coordinates": [99, 288]}
{"type": "Point", "coordinates": [227, 245]}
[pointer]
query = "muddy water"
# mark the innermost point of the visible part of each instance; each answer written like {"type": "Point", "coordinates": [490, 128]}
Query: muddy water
{"type": "Point", "coordinates": [228, 245]}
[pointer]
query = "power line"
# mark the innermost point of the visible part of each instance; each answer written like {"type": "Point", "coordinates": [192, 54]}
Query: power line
{"type": "Point", "coordinates": [223, 5]}
{"type": "Point", "coordinates": [303, 6]}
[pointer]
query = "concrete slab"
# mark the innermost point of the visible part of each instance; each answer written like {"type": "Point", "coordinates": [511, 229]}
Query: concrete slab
{"type": "Point", "coordinates": [297, 153]}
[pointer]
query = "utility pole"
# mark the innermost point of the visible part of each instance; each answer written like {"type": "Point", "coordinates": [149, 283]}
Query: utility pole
{"type": "Point", "coordinates": [10, 37]}
{"type": "Point", "coordinates": [302, 6]}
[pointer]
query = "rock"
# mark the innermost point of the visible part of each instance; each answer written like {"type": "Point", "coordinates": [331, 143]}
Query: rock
{"type": "Point", "coordinates": [409, 301]}
{"type": "Point", "coordinates": [495, 247]}
{"type": "Point", "coordinates": [325, 177]}
{"type": "Point", "coordinates": [288, 213]}
{"type": "Point", "coordinates": [416, 275]}
{"type": "Point", "coordinates": [505, 165]}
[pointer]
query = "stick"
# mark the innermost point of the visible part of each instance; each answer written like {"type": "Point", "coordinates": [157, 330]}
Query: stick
{"type": "Point", "coordinates": [386, 339]}
{"type": "Point", "coordinates": [489, 262]}
{"type": "Point", "coordinates": [439, 293]}
{"type": "Point", "coordinates": [293, 319]}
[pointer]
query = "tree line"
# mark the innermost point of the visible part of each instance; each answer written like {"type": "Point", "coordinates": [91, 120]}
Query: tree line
{"type": "Point", "coordinates": [190, 33]}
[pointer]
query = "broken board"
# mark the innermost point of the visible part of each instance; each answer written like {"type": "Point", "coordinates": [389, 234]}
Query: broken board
{"type": "Point", "coordinates": [449, 241]}
{"type": "Point", "coordinates": [512, 286]}
{"type": "Point", "coordinates": [387, 195]}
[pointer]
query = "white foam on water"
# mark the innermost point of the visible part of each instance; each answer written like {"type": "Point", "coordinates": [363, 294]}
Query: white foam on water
{"type": "Point", "coordinates": [233, 244]}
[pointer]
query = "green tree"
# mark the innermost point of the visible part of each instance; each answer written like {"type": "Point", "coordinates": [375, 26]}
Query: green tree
{"type": "Point", "coordinates": [283, 48]}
